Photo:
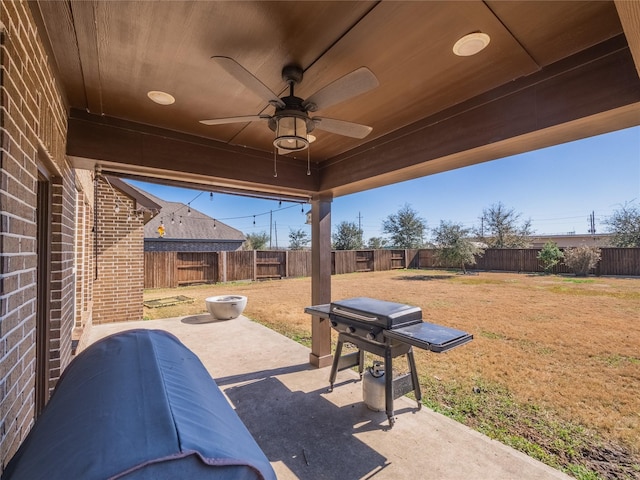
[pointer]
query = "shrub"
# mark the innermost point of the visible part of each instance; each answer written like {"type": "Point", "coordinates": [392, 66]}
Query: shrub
{"type": "Point", "coordinates": [581, 259]}
{"type": "Point", "coordinates": [550, 256]}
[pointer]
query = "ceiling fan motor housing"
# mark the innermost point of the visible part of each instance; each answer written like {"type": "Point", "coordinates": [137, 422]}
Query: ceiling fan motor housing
{"type": "Point", "coordinates": [292, 74]}
{"type": "Point", "coordinates": [293, 108]}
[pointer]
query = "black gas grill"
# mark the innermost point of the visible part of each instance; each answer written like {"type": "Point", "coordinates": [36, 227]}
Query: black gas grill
{"type": "Point", "coordinates": [388, 330]}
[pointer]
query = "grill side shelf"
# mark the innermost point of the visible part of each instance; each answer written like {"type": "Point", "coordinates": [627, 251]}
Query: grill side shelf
{"type": "Point", "coordinates": [321, 311]}
{"type": "Point", "coordinates": [430, 336]}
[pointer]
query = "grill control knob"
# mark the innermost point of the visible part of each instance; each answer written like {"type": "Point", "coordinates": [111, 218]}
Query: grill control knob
{"type": "Point", "coordinates": [371, 336]}
{"type": "Point", "coordinates": [351, 329]}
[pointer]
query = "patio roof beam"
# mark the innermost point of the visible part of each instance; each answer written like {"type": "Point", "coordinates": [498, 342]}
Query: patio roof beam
{"type": "Point", "coordinates": [129, 148]}
{"type": "Point", "coordinates": [593, 92]}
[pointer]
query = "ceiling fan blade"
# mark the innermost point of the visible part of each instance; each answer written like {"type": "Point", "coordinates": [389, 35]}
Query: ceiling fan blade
{"type": "Point", "coordinates": [352, 84]}
{"type": "Point", "coordinates": [243, 119]}
{"type": "Point", "coordinates": [348, 129]}
{"type": "Point", "coordinates": [247, 78]}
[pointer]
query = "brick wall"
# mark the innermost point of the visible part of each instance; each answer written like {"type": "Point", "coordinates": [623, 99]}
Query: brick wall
{"type": "Point", "coordinates": [118, 288]}
{"type": "Point", "coordinates": [62, 306]}
{"type": "Point", "coordinates": [84, 258]}
{"type": "Point", "coordinates": [32, 135]}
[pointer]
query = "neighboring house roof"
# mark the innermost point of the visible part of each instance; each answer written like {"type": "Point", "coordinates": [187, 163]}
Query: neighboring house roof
{"type": "Point", "coordinates": [572, 239]}
{"type": "Point", "coordinates": [179, 224]}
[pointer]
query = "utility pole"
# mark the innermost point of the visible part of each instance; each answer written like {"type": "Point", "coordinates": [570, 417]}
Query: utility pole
{"type": "Point", "coordinates": [592, 223]}
{"type": "Point", "coordinates": [275, 228]}
{"type": "Point", "coordinates": [360, 227]}
{"type": "Point", "coordinates": [270, 227]}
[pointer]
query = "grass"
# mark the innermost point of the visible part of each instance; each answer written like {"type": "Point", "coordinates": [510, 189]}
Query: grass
{"type": "Point", "coordinates": [492, 409]}
{"type": "Point", "coordinates": [553, 370]}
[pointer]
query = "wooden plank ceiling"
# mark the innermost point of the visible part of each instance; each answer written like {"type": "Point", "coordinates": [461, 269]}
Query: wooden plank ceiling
{"type": "Point", "coordinates": [553, 72]}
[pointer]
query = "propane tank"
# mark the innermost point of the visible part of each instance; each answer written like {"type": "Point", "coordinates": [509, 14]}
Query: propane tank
{"type": "Point", "coordinates": [373, 387]}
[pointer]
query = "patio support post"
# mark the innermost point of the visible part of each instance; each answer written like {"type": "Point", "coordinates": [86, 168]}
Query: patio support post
{"type": "Point", "coordinates": [320, 355]}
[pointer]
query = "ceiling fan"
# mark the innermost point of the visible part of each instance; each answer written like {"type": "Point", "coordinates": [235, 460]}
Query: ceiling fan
{"type": "Point", "coordinates": [291, 121]}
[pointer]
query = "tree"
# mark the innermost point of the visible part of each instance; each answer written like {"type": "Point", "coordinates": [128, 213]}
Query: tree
{"type": "Point", "coordinates": [625, 226]}
{"type": "Point", "coordinates": [256, 241]}
{"type": "Point", "coordinates": [454, 245]}
{"type": "Point", "coordinates": [298, 239]}
{"type": "Point", "coordinates": [347, 237]}
{"type": "Point", "coordinates": [550, 255]}
{"type": "Point", "coordinates": [581, 259]}
{"type": "Point", "coordinates": [500, 228]}
{"type": "Point", "coordinates": [376, 243]}
{"type": "Point", "coordinates": [405, 228]}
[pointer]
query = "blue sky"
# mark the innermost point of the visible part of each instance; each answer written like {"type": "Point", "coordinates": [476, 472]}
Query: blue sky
{"type": "Point", "coordinates": [556, 187]}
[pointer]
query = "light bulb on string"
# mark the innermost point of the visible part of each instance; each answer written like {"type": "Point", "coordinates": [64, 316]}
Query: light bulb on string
{"type": "Point", "coordinates": [180, 219]}
{"type": "Point", "coordinates": [254, 219]}
{"type": "Point", "coordinates": [189, 210]}
{"type": "Point", "coordinates": [173, 220]}
{"type": "Point", "coordinates": [214, 223]}
{"type": "Point", "coordinates": [211, 196]}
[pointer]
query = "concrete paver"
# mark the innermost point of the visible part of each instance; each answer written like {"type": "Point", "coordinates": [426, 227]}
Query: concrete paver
{"type": "Point", "coordinates": [310, 433]}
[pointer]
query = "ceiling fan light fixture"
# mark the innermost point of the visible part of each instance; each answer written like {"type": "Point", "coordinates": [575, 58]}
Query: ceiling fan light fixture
{"type": "Point", "coordinates": [291, 133]}
{"type": "Point", "coordinates": [471, 44]}
{"type": "Point", "coordinates": [161, 98]}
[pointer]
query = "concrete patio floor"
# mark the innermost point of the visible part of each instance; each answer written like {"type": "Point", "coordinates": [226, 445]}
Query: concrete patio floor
{"type": "Point", "coordinates": [310, 433]}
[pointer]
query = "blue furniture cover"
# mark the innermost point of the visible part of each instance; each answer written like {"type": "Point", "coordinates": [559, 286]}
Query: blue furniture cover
{"type": "Point", "coordinates": [138, 405]}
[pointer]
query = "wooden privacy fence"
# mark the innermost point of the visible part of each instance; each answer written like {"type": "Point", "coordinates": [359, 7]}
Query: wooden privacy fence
{"type": "Point", "coordinates": [173, 269]}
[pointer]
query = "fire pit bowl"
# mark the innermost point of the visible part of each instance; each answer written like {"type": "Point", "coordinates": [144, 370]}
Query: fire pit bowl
{"type": "Point", "coordinates": [226, 307]}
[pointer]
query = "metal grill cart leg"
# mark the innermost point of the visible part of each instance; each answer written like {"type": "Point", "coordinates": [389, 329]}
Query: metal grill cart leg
{"type": "Point", "coordinates": [414, 377]}
{"type": "Point", "coordinates": [341, 362]}
{"type": "Point", "coordinates": [394, 387]}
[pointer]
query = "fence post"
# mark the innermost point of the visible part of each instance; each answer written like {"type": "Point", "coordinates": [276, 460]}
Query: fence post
{"type": "Point", "coordinates": [286, 263]}
{"type": "Point", "coordinates": [222, 266]}
{"type": "Point", "coordinates": [255, 266]}
{"type": "Point", "coordinates": [174, 269]}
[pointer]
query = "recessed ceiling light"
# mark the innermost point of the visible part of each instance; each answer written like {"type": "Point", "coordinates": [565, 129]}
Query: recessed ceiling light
{"type": "Point", "coordinates": [471, 44]}
{"type": "Point", "coordinates": [161, 98]}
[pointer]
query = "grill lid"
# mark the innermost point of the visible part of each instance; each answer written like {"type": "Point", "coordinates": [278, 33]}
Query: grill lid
{"type": "Point", "coordinates": [373, 311]}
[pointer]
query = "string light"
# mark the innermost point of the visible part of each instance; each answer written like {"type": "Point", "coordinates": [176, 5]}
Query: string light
{"type": "Point", "coordinates": [173, 220]}
{"type": "Point", "coordinates": [214, 223]}
{"type": "Point", "coordinates": [115, 196]}
{"type": "Point", "coordinates": [275, 167]}
{"type": "Point", "coordinates": [211, 196]}
{"type": "Point", "coordinates": [188, 205]}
